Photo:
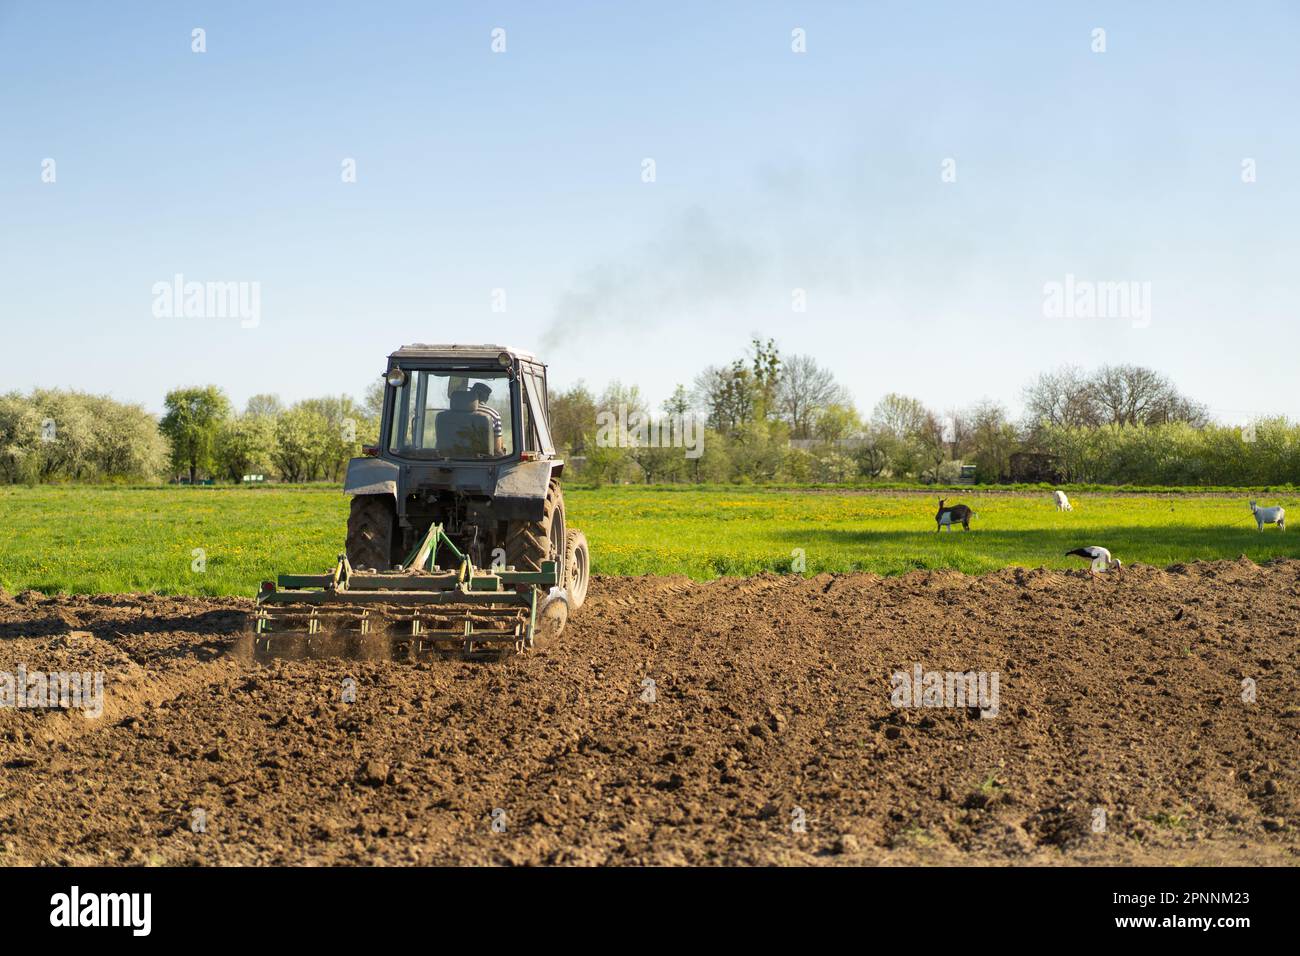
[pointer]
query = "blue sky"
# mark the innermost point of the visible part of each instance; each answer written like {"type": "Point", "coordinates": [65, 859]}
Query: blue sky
{"type": "Point", "coordinates": [775, 171]}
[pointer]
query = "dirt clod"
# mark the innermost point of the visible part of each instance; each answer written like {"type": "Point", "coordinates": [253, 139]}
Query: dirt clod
{"type": "Point", "coordinates": [847, 843]}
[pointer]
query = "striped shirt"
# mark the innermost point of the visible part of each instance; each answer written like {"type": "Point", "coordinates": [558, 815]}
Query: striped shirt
{"type": "Point", "coordinates": [493, 414]}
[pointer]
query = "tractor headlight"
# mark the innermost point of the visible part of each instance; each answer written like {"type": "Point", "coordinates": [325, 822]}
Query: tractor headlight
{"type": "Point", "coordinates": [395, 377]}
{"type": "Point", "coordinates": [503, 359]}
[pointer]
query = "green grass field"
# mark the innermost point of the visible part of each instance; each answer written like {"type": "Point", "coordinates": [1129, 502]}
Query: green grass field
{"type": "Point", "coordinates": [103, 539]}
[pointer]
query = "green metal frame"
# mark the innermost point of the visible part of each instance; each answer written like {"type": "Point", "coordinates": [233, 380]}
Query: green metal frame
{"type": "Point", "coordinates": [487, 597]}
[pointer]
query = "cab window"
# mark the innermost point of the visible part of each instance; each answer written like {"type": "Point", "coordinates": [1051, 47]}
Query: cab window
{"type": "Point", "coordinates": [462, 414]}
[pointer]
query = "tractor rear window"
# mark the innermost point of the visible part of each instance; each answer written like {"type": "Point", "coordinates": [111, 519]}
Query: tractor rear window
{"type": "Point", "coordinates": [461, 415]}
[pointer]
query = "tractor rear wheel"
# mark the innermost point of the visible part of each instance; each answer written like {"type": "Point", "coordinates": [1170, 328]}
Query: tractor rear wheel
{"type": "Point", "coordinates": [529, 543]}
{"type": "Point", "coordinates": [577, 567]}
{"type": "Point", "coordinates": [372, 533]}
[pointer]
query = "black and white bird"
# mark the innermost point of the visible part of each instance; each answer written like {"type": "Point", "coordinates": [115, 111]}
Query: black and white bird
{"type": "Point", "coordinates": [1100, 558]}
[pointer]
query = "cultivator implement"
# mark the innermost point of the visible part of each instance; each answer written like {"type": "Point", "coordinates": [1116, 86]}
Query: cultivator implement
{"type": "Point", "coordinates": [415, 610]}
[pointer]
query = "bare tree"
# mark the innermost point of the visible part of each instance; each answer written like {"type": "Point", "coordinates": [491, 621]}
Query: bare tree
{"type": "Point", "coordinates": [1113, 395]}
{"type": "Point", "coordinates": [933, 447]}
{"type": "Point", "coordinates": [1133, 395]}
{"type": "Point", "coordinates": [1062, 397]}
{"type": "Point", "coordinates": [804, 388]}
{"type": "Point", "coordinates": [1183, 409]}
{"type": "Point", "coordinates": [957, 433]}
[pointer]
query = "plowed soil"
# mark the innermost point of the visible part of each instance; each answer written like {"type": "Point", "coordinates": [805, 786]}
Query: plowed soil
{"type": "Point", "coordinates": [768, 735]}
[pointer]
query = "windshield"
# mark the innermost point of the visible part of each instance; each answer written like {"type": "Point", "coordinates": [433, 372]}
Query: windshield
{"type": "Point", "coordinates": [462, 414]}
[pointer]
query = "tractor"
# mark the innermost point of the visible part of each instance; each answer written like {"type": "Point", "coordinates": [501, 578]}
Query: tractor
{"type": "Point", "coordinates": [456, 536]}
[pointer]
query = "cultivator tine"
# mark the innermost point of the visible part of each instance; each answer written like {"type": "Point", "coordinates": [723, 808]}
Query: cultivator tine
{"type": "Point", "coordinates": [465, 613]}
{"type": "Point", "coordinates": [291, 630]}
{"type": "Point", "coordinates": [461, 632]}
{"type": "Point", "coordinates": [448, 631]}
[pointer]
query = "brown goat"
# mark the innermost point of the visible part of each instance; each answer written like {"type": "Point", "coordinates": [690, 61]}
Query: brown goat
{"type": "Point", "coordinates": [947, 517]}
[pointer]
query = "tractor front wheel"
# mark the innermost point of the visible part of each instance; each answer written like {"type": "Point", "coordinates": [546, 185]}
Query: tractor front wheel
{"type": "Point", "coordinates": [577, 567]}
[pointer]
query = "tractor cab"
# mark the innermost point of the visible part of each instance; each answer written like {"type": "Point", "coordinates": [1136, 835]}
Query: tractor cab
{"type": "Point", "coordinates": [465, 404]}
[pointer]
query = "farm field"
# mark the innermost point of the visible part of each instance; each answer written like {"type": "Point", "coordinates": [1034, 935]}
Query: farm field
{"type": "Point", "coordinates": [771, 735]}
{"type": "Point", "coordinates": [1121, 733]}
{"type": "Point", "coordinates": [223, 541]}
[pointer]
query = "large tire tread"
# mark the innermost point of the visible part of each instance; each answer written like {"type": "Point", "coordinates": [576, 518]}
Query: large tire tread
{"type": "Point", "coordinates": [529, 543]}
{"type": "Point", "coordinates": [372, 527]}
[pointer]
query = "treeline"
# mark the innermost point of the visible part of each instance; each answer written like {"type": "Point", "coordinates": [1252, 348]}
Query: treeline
{"type": "Point", "coordinates": [768, 418]}
{"type": "Point", "coordinates": [53, 435]}
{"type": "Point", "coordinates": [1265, 453]}
{"type": "Point", "coordinates": [763, 417]}
{"type": "Point", "coordinates": [310, 440]}
{"type": "Point", "coordinates": [50, 436]}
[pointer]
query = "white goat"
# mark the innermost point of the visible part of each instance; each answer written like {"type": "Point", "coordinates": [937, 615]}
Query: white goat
{"type": "Point", "coordinates": [1275, 515]}
{"type": "Point", "coordinates": [1062, 502]}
